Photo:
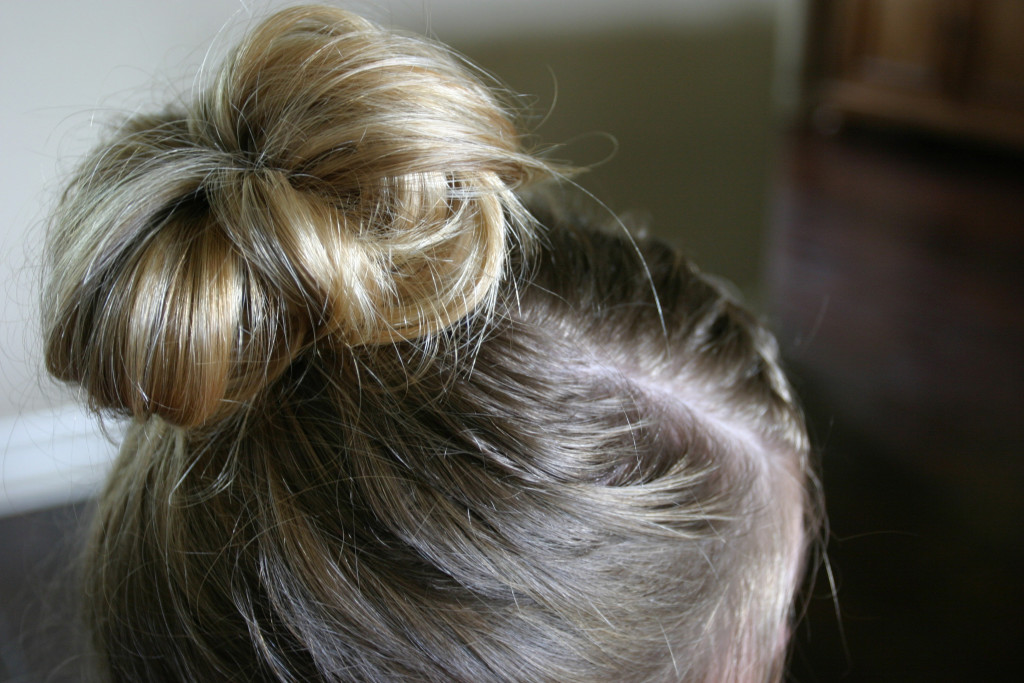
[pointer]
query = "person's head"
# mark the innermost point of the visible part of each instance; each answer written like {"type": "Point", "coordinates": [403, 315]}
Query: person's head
{"type": "Point", "coordinates": [387, 421]}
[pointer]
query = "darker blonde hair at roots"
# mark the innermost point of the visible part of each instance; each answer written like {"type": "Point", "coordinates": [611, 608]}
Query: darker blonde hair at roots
{"type": "Point", "coordinates": [388, 424]}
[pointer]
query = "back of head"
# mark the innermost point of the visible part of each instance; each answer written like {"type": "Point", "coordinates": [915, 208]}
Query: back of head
{"type": "Point", "coordinates": [387, 423]}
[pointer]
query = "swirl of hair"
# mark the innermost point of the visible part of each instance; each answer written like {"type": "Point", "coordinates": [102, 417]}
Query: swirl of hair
{"type": "Point", "coordinates": [338, 183]}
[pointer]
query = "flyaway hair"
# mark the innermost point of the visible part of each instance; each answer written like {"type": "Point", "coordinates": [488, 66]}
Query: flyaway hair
{"type": "Point", "coordinates": [336, 181]}
{"type": "Point", "coordinates": [390, 421]}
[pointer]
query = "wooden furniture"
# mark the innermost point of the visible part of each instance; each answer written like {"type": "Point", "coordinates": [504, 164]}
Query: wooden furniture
{"type": "Point", "coordinates": [954, 66]}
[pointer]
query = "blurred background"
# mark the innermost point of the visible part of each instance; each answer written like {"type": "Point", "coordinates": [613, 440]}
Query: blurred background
{"type": "Point", "coordinates": [856, 167]}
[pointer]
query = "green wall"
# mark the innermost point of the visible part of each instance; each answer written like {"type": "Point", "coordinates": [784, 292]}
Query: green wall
{"type": "Point", "coordinates": [690, 111]}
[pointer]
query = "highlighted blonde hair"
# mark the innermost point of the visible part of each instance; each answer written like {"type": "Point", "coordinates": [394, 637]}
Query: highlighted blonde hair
{"type": "Point", "coordinates": [336, 180]}
{"type": "Point", "coordinates": [389, 425]}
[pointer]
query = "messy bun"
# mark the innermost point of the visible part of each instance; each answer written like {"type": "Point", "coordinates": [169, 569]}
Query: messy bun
{"type": "Point", "coordinates": [335, 184]}
{"type": "Point", "coordinates": [367, 447]}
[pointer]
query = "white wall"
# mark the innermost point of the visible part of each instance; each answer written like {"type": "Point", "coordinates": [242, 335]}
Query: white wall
{"type": "Point", "coordinates": [67, 65]}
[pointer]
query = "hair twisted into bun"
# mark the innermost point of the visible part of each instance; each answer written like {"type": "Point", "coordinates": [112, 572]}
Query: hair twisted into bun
{"type": "Point", "coordinates": [337, 182]}
{"type": "Point", "coordinates": [608, 484]}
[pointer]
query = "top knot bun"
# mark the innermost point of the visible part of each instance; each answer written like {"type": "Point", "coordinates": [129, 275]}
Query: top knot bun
{"type": "Point", "coordinates": [336, 182]}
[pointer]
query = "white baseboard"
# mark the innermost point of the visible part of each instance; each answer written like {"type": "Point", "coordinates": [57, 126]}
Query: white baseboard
{"type": "Point", "coordinates": [53, 457]}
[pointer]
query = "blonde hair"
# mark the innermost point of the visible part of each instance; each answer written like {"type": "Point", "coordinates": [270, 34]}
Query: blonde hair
{"type": "Point", "coordinates": [336, 181]}
{"type": "Point", "coordinates": [388, 423]}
